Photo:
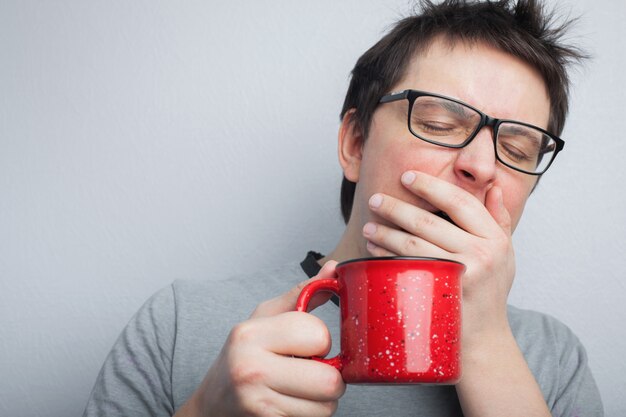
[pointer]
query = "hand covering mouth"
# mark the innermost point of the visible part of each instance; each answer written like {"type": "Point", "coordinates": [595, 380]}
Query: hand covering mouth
{"type": "Point", "coordinates": [443, 215]}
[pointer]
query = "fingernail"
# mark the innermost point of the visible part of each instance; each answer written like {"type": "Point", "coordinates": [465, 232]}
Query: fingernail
{"type": "Point", "coordinates": [370, 246]}
{"type": "Point", "coordinates": [369, 229]}
{"type": "Point", "coordinates": [376, 200]}
{"type": "Point", "coordinates": [408, 178]}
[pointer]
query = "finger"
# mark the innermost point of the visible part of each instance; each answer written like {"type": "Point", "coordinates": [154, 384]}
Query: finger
{"type": "Point", "coordinates": [417, 222]}
{"type": "Point", "coordinates": [463, 208]}
{"type": "Point", "coordinates": [293, 406]}
{"type": "Point", "coordinates": [378, 251]}
{"type": "Point", "coordinates": [291, 333]}
{"type": "Point", "coordinates": [402, 243]}
{"type": "Point", "coordinates": [494, 202]}
{"type": "Point", "coordinates": [287, 301]}
{"type": "Point", "coordinates": [269, 402]}
{"type": "Point", "coordinates": [306, 378]}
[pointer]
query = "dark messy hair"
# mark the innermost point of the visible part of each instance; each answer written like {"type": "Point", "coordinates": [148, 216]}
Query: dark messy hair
{"type": "Point", "coordinates": [521, 28]}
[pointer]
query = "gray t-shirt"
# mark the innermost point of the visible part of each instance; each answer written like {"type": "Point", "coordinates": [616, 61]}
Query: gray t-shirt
{"type": "Point", "coordinates": [163, 354]}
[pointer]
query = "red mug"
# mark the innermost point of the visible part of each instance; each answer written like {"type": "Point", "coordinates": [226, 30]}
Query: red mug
{"type": "Point", "coordinates": [400, 319]}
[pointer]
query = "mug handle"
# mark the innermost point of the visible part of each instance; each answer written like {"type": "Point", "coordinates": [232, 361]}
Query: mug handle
{"type": "Point", "coordinates": [304, 298]}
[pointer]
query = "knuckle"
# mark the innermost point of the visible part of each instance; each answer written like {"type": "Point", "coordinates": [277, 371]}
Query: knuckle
{"type": "Point", "coordinates": [489, 254]}
{"type": "Point", "coordinates": [505, 243]}
{"type": "Point", "coordinates": [328, 408]}
{"type": "Point", "coordinates": [295, 291]}
{"type": "Point", "coordinates": [270, 307]}
{"type": "Point", "coordinates": [243, 333]}
{"type": "Point", "coordinates": [298, 288]}
{"type": "Point", "coordinates": [422, 222]}
{"type": "Point", "coordinates": [261, 308]}
{"type": "Point", "coordinates": [411, 244]}
{"type": "Point", "coordinates": [461, 199]}
{"type": "Point", "coordinates": [253, 404]}
{"type": "Point", "coordinates": [334, 385]}
{"type": "Point", "coordinates": [485, 257]}
{"type": "Point", "coordinates": [266, 407]}
{"type": "Point", "coordinates": [246, 373]}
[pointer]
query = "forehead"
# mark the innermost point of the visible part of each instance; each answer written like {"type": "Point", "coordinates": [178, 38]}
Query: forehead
{"type": "Point", "coordinates": [487, 78]}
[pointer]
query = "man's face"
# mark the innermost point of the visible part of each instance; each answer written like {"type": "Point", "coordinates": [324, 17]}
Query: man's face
{"type": "Point", "coordinates": [486, 78]}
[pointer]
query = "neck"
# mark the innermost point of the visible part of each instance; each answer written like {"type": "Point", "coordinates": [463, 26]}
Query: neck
{"type": "Point", "coordinates": [350, 246]}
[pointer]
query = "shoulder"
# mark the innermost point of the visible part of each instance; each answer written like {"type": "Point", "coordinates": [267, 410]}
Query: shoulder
{"type": "Point", "coordinates": [166, 348]}
{"type": "Point", "coordinates": [558, 360]}
{"type": "Point", "coordinates": [232, 298]}
{"type": "Point", "coordinates": [236, 291]}
{"type": "Point", "coordinates": [530, 323]}
{"type": "Point", "coordinates": [545, 341]}
{"type": "Point", "coordinates": [191, 313]}
{"type": "Point", "coordinates": [197, 317]}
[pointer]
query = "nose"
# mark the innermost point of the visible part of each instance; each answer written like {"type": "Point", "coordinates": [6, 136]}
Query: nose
{"type": "Point", "coordinates": [475, 165]}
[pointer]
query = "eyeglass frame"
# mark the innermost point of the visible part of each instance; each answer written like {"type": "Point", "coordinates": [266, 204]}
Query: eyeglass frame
{"type": "Point", "coordinates": [485, 120]}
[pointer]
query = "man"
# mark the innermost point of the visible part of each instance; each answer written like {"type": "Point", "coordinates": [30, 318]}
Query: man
{"type": "Point", "coordinates": [448, 123]}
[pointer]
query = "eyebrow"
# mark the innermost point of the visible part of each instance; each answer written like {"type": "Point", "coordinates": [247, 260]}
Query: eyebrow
{"type": "Point", "coordinates": [538, 139]}
{"type": "Point", "coordinates": [456, 108]}
{"type": "Point", "coordinates": [525, 131]}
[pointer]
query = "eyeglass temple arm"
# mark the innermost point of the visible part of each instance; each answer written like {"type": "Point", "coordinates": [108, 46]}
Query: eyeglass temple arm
{"type": "Point", "coordinates": [394, 96]}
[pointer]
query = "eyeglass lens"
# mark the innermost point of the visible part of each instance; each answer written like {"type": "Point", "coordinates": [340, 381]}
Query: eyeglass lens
{"type": "Point", "coordinates": [449, 123]}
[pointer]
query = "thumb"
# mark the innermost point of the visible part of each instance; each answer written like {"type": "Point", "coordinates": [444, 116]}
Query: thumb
{"type": "Point", "coordinates": [287, 301]}
{"type": "Point", "coordinates": [494, 202]}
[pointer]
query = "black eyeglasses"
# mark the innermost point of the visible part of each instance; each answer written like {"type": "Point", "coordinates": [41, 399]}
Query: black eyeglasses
{"type": "Point", "coordinates": [447, 122]}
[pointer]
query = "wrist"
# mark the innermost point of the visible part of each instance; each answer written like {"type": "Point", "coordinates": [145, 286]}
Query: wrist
{"type": "Point", "coordinates": [488, 347]}
{"type": "Point", "coordinates": [192, 407]}
{"type": "Point", "coordinates": [484, 331]}
{"type": "Point", "coordinates": [496, 380]}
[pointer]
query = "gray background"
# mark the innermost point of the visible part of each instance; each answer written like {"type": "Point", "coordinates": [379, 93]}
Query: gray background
{"type": "Point", "coordinates": [146, 141]}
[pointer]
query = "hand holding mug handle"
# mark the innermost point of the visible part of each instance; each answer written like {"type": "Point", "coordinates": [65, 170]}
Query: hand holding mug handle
{"type": "Point", "coordinates": [329, 284]}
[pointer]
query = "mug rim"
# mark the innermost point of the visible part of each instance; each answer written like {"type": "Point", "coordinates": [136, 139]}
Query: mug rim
{"type": "Point", "coordinates": [396, 258]}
